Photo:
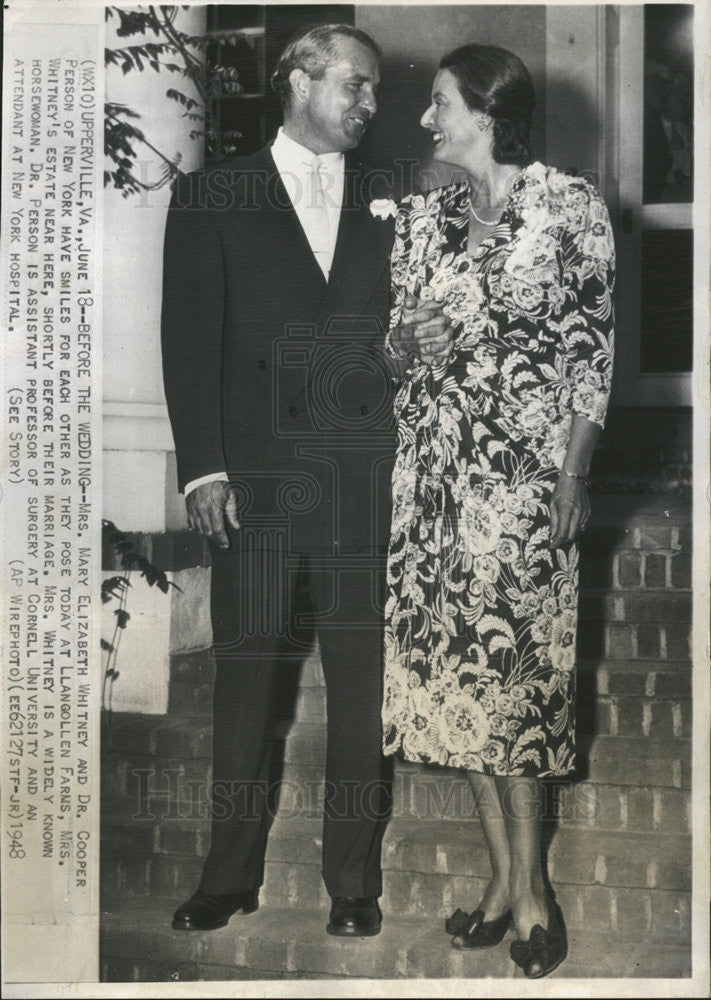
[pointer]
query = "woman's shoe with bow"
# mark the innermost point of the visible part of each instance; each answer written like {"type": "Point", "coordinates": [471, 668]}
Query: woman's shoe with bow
{"type": "Point", "coordinates": [546, 948]}
{"type": "Point", "coordinates": [471, 930]}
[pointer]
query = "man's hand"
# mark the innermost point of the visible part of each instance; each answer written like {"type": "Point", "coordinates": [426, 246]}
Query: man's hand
{"type": "Point", "coordinates": [570, 510]}
{"type": "Point", "coordinates": [424, 331]}
{"type": "Point", "coordinates": [208, 506]}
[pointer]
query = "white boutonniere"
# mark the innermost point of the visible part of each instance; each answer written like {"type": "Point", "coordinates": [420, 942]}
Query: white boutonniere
{"type": "Point", "coordinates": [383, 208]}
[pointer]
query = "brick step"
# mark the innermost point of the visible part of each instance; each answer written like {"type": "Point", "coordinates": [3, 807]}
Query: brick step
{"type": "Point", "coordinates": [662, 913]}
{"type": "Point", "coordinates": [622, 640]}
{"type": "Point", "coordinates": [575, 856]}
{"type": "Point", "coordinates": [433, 794]}
{"type": "Point", "coordinates": [661, 680]}
{"type": "Point", "coordinates": [633, 605]}
{"type": "Point", "coordinates": [272, 942]}
{"type": "Point", "coordinates": [619, 760]}
{"type": "Point", "coordinates": [419, 793]}
{"type": "Point", "coordinates": [659, 913]}
{"type": "Point", "coordinates": [582, 856]}
{"type": "Point", "coordinates": [610, 768]}
{"type": "Point", "coordinates": [159, 782]}
{"type": "Point", "coordinates": [637, 543]}
{"type": "Point", "coordinates": [634, 717]}
{"type": "Point", "coordinates": [621, 569]}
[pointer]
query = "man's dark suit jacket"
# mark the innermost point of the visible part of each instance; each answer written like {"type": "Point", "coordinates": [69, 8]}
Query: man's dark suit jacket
{"type": "Point", "coordinates": [272, 374]}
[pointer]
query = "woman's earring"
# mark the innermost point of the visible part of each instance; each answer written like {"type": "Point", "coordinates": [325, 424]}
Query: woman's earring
{"type": "Point", "coordinates": [482, 124]}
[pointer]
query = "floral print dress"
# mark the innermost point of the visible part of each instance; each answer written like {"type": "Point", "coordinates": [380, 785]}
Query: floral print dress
{"type": "Point", "coordinates": [481, 612]}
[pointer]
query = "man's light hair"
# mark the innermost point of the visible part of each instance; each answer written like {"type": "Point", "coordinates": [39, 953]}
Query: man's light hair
{"type": "Point", "coordinates": [313, 49]}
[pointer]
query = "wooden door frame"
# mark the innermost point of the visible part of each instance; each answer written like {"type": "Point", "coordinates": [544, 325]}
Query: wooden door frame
{"type": "Point", "coordinates": [632, 387]}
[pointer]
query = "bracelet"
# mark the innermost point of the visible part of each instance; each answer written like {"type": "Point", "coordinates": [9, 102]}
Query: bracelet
{"type": "Point", "coordinates": [575, 475]}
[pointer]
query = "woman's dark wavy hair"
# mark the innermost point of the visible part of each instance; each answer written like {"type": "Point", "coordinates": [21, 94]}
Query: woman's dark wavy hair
{"type": "Point", "coordinates": [495, 81]}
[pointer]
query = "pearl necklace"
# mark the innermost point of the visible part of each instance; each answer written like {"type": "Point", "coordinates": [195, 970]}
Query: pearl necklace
{"type": "Point", "coordinates": [485, 222]}
{"type": "Point", "coordinates": [482, 221]}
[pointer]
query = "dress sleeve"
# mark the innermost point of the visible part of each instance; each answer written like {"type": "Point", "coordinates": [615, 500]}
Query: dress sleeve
{"type": "Point", "coordinates": [588, 312]}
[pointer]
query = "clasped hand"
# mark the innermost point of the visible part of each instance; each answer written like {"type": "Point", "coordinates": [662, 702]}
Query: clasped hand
{"type": "Point", "coordinates": [570, 510]}
{"type": "Point", "coordinates": [210, 506]}
{"type": "Point", "coordinates": [424, 332]}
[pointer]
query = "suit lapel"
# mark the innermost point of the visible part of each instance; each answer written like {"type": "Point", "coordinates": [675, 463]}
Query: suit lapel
{"type": "Point", "coordinates": [362, 251]}
{"type": "Point", "coordinates": [280, 245]}
{"type": "Point", "coordinates": [282, 249]}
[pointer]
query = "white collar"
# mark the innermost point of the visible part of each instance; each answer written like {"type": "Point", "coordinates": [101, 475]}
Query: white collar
{"type": "Point", "coordinates": [295, 156]}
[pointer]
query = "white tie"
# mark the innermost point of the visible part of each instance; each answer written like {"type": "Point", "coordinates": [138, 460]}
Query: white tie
{"type": "Point", "coordinates": [318, 218]}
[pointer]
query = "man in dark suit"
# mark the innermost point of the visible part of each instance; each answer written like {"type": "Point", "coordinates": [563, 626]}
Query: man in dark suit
{"type": "Point", "coordinates": [276, 298]}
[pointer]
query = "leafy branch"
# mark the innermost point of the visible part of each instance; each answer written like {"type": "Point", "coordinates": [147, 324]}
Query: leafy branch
{"type": "Point", "coordinates": [189, 58]}
{"type": "Point", "coordinates": [116, 588]}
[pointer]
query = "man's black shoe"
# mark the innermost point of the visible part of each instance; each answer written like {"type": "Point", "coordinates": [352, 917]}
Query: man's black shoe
{"type": "Point", "coordinates": [204, 912]}
{"type": "Point", "coordinates": [355, 917]}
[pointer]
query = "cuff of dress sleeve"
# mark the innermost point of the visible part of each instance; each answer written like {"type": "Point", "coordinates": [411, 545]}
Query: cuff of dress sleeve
{"type": "Point", "coordinates": [593, 410]}
{"type": "Point", "coordinates": [389, 349]}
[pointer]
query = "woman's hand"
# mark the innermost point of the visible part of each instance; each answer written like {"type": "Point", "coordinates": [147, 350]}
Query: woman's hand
{"type": "Point", "coordinates": [570, 509]}
{"type": "Point", "coordinates": [425, 332]}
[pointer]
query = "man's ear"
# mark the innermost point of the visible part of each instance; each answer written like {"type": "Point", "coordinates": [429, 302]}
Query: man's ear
{"type": "Point", "coordinates": [300, 85]}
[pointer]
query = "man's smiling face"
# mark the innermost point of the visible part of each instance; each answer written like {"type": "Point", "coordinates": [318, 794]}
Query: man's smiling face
{"type": "Point", "coordinates": [340, 105]}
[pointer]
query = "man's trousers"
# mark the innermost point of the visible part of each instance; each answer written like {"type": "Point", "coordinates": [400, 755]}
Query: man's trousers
{"type": "Point", "coordinates": [258, 603]}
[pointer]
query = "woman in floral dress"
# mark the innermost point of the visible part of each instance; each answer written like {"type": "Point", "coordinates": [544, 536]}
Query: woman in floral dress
{"type": "Point", "coordinates": [490, 480]}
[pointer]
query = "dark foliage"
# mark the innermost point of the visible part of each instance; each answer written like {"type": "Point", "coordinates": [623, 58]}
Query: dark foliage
{"type": "Point", "coordinates": [115, 588]}
{"type": "Point", "coordinates": [197, 61]}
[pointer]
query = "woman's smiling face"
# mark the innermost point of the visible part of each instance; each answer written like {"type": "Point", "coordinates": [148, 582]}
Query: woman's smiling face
{"type": "Point", "coordinates": [457, 137]}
